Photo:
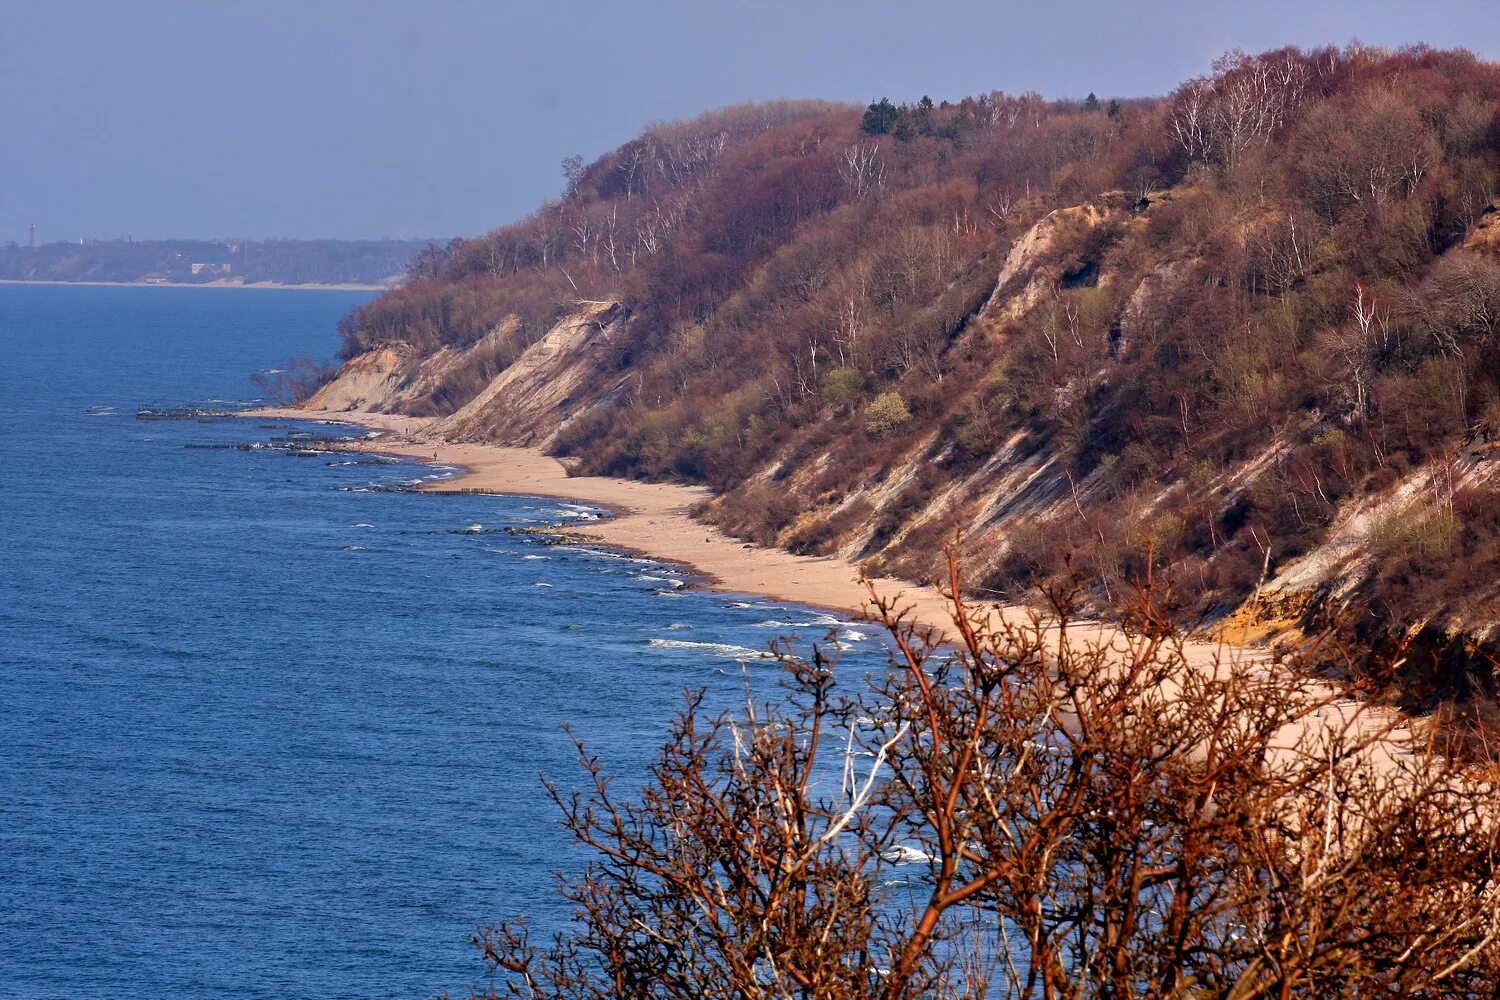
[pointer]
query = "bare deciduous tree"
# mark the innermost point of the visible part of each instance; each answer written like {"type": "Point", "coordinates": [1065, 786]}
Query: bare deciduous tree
{"type": "Point", "coordinates": [861, 169]}
{"type": "Point", "coordinates": [1037, 810]}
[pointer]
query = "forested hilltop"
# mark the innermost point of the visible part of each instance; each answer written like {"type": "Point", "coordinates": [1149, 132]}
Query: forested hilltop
{"type": "Point", "coordinates": [290, 262]}
{"type": "Point", "coordinates": [1246, 330]}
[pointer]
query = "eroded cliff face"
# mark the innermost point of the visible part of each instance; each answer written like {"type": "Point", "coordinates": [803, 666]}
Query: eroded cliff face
{"type": "Point", "coordinates": [552, 382]}
{"type": "Point", "coordinates": [555, 381]}
{"type": "Point", "coordinates": [396, 378]}
{"type": "Point", "coordinates": [894, 518]}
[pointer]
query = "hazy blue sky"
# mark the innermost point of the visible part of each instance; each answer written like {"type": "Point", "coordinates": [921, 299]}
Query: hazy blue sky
{"type": "Point", "coordinates": [433, 118]}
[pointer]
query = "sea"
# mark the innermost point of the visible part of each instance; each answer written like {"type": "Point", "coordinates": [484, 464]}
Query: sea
{"type": "Point", "coordinates": [267, 727]}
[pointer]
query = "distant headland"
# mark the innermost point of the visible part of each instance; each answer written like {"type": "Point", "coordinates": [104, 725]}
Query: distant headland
{"type": "Point", "coordinates": [359, 264]}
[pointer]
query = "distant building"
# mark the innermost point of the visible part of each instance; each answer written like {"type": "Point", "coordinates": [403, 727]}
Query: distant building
{"type": "Point", "coordinates": [210, 268]}
{"type": "Point", "coordinates": [155, 279]}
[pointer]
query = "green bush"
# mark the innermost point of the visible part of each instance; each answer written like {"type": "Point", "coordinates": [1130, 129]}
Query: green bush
{"type": "Point", "coordinates": [843, 387]}
{"type": "Point", "coordinates": [887, 413]}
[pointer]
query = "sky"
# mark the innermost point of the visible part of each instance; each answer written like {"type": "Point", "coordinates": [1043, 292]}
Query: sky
{"type": "Point", "coordinates": [436, 118]}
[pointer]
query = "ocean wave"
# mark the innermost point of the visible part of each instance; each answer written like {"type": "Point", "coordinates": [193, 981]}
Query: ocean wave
{"type": "Point", "coordinates": [724, 649]}
{"type": "Point", "coordinates": [902, 854]}
{"type": "Point", "coordinates": [624, 557]}
{"type": "Point", "coordinates": [536, 557]}
{"type": "Point", "coordinates": [576, 512]}
{"type": "Point", "coordinates": [674, 582]}
{"type": "Point", "coordinates": [846, 629]}
{"type": "Point", "coordinates": [756, 606]}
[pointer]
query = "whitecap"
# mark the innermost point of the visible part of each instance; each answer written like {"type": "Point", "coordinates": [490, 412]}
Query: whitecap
{"type": "Point", "coordinates": [542, 585]}
{"type": "Point", "coordinates": [536, 557]}
{"type": "Point", "coordinates": [821, 621]}
{"type": "Point", "coordinates": [756, 606]}
{"type": "Point", "coordinates": [364, 525]}
{"type": "Point", "coordinates": [901, 854]}
{"type": "Point", "coordinates": [724, 649]}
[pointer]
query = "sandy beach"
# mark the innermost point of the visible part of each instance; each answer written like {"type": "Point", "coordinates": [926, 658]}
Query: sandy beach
{"type": "Point", "coordinates": [651, 518]}
{"type": "Point", "coordinates": [655, 519]}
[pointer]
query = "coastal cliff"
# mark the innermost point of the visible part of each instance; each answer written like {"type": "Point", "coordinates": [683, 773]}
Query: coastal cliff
{"type": "Point", "coordinates": [1262, 359]}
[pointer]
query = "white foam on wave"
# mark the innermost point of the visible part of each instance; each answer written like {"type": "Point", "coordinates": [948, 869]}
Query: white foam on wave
{"type": "Point", "coordinates": [676, 627]}
{"type": "Point", "coordinates": [724, 649]}
{"type": "Point", "coordinates": [756, 606]}
{"type": "Point", "coordinates": [820, 621]}
{"type": "Point", "coordinates": [674, 582]}
{"type": "Point", "coordinates": [617, 556]}
{"type": "Point", "coordinates": [903, 854]}
{"type": "Point", "coordinates": [576, 512]}
{"type": "Point", "coordinates": [536, 557]}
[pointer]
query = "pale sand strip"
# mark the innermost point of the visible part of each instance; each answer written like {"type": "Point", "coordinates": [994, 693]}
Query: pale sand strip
{"type": "Point", "coordinates": [654, 519]}
{"type": "Point", "coordinates": [651, 518]}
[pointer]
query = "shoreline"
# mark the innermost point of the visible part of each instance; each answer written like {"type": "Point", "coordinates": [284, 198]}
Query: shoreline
{"type": "Point", "coordinates": [275, 285]}
{"type": "Point", "coordinates": [653, 520]}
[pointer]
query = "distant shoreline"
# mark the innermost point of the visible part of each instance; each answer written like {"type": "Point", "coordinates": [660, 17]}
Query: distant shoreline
{"type": "Point", "coordinates": [307, 287]}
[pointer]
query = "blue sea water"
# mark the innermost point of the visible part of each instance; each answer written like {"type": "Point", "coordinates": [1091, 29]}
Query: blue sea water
{"type": "Point", "coordinates": [265, 733]}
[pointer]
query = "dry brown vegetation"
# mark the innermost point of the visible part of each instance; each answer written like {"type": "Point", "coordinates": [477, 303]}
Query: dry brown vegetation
{"type": "Point", "coordinates": [1028, 814]}
{"type": "Point", "coordinates": [1209, 330]}
{"type": "Point", "coordinates": [1261, 303]}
